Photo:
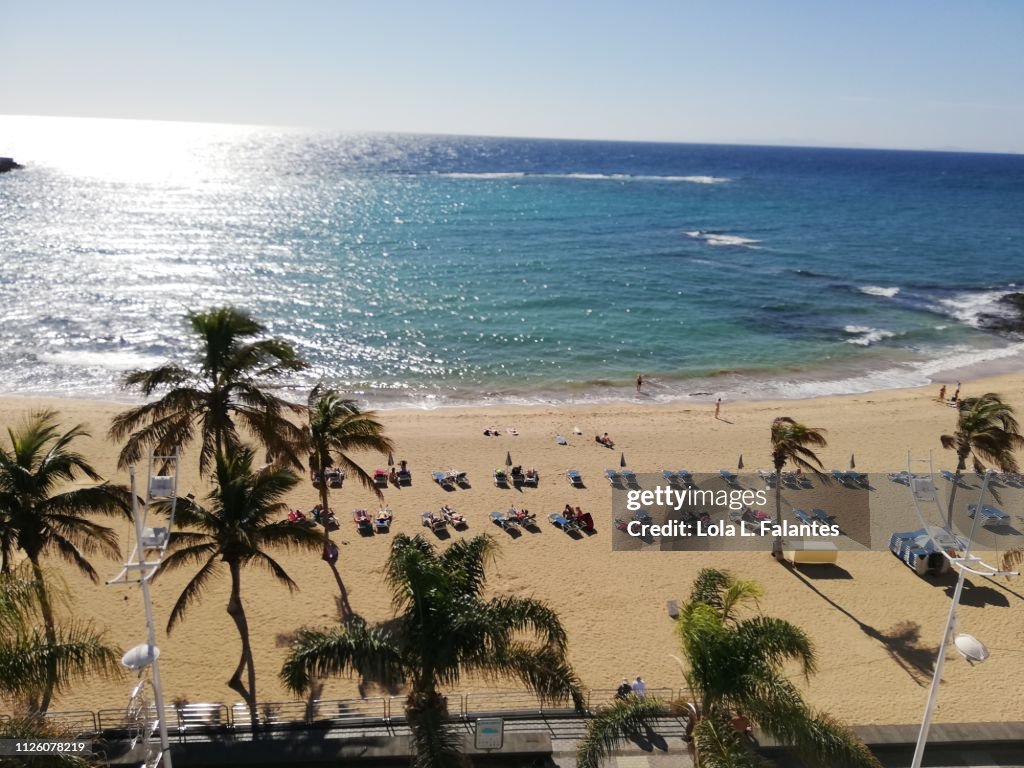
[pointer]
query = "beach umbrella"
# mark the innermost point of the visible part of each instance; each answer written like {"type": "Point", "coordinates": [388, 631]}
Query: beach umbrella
{"type": "Point", "coordinates": [622, 460]}
{"type": "Point", "coordinates": [508, 459]}
{"type": "Point", "coordinates": [391, 459]}
{"type": "Point", "coordinates": [853, 464]}
{"type": "Point", "coordinates": [739, 464]}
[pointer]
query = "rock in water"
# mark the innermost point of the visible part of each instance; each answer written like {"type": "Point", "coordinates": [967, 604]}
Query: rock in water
{"type": "Point", "coordinates": [8, 164]}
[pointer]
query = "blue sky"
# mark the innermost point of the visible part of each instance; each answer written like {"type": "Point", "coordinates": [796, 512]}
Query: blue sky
{"type": "Point", "coordinates": [939, 74]}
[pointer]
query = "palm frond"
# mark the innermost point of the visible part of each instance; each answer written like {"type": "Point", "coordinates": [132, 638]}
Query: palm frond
{"type": "Point", "coordinates": [355, 648]}
{"type": "Point", "coordinates": [611, 726]}
{"type": "Point", "coordinates": [719, 745]}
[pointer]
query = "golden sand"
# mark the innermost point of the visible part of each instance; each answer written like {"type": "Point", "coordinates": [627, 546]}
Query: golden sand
{"type": "Point", "coordinates": [876, 632]}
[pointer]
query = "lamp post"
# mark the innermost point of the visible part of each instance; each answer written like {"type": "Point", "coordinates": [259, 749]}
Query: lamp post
{"type": "Point", "coordinates": [969, 646]}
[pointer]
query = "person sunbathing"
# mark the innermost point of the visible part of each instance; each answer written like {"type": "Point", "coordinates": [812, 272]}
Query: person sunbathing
{"type": "Point", "coordinates": [605, 440]}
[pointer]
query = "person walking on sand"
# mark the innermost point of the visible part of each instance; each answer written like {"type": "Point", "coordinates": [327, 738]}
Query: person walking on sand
{"type": "Point", "coordinates": [942, 393]}
{"type": "Point", "coordinates": [639, 382]}
{"type": "Point", "coordinates": [718, 407]}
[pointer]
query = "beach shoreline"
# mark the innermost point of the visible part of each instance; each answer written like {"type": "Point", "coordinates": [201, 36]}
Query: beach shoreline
{"type": "Point", "coordinates": [878, 619]}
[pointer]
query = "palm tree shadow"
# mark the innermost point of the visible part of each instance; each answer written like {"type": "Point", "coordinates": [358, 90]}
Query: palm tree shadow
{"type": "Point", "coordinates": [345, 611]}
{"type": "Point", "coordinates": [901, 641]}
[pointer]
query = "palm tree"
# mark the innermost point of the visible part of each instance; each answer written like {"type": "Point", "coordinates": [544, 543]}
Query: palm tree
{"type": "Point", "coordinates": [986, 432]}
{"type": "Point", "coordinates": [790, 443]}
{"type": "Point", "coordinates": [336, 427]}
{"type": "Point", "coordinates": [243, 518]}
{"type": "Point", "coordinates": [734, 671]}
{"type": "Point", "coordinates": [41, 521]}
{"type": "Point", "coordinates": [26, 653]}
{"type": "Point", "coordinates": [444, 630]}
{"type": "Point", "coordinates": [227, 386]}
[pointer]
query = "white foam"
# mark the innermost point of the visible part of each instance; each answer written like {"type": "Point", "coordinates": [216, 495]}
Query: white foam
{"type": "Point", "coordinates": [718, 238]}
{"type": "Point", "coordinates": [878, 290]}
{"type": "Point", "coordinates": [111, 361]}
{"type": "Point", "coordinates": [866, 336]}
{"type": "Point", "coordinates": [585, 177]}
{"type": "Point", "coordinates": [968, 307]}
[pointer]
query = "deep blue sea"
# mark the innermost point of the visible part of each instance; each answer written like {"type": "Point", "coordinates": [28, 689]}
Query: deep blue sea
{"type": "Point", "coordinates": [428, 270]}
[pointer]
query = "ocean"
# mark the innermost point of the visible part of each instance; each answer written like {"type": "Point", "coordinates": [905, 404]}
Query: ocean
{"type": "Point", "coordinates": [434, 270]}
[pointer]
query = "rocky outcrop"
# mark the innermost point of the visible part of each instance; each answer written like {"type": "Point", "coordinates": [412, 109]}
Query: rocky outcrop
{"type": "Point", "coordinates": [8, 164]}
{"type": "Point", "coordinates": [1009, 318]}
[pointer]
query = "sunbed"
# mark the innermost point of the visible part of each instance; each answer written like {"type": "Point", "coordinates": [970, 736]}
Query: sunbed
{"type": "Point", "coordinates": [989, 513]}
{"type": "Point", "coordinates": [363, 522]}
{"type": "Point", "coordinates": [383, 520]}
{"type": "Point", "coordinates": [629, 477]}
{"type": "Point", "coordinates": [728, 476]}
{"type": "Point", "coordinates": [822, 516]}
{"type": "Point", "coordinates": [575, 478]}
{"type": "Point", "coordinates": [561, 522]}
{"type": "Point", "coordinates": [432, 521]}
{"type": "Point", "coordinates": [613, 476]}
{"type": "Point", "coordinates": [802, 516]}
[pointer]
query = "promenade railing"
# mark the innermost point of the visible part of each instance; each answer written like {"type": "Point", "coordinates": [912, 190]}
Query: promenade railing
{"type": "Point", "coordinates": [205, 718]}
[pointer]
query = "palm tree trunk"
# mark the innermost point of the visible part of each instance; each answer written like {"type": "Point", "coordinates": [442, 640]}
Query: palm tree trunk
{"type": "Point", "coordinates": [324, 505]}
{"type": "Point", "coordinates": [436, 747]}
{"type": "Point", "coordinates": [237, 612]}
{"type": "Point", "coordinates": [777, 541]}
{"type": "Point", "coordinates": [50, 631]}
{"type": "Point", "coordinates": [961, 463]}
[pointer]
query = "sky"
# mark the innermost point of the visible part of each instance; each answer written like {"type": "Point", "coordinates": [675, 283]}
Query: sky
{"type": "Point", "coordinates": [936, 74]}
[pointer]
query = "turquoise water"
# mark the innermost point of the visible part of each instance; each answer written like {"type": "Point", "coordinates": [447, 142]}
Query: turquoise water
{"type": "Point", "coordinates": [429, 270]}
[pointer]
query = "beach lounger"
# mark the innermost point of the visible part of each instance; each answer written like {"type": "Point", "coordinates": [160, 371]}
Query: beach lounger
{"type": "Point", "coordinates": [383, 520]}
{"type": "Point", "coordinates": [441, 479]}
{"type": "Point", "coordinates": [453, 518]}
{"type": "Point", "coordinates": [822, 516]}
{"type": "Point", "coordinates": [404, 477]}
{"type": "Point", "coordinates": [500, 518]}
{"type": "Point", "coordinates": [839, 475]}
{"type": "Point", "coordinates": [521, 517]}
{"type": "Point", "coordinates": [613, 476]}
{"type": "Point", "coordinates": [531, 478]}
{"type": "Point", "coordinates": [728, 476]}
{"type": "Point", "coordinates": [802, 516]}
{"type": "Point", "coordinates": [669, 476]}
{"type": "Point", "coordinates": [501, 478]}
{"type": "Point", "coordinates": [380, 478]}
{"type": "Point", "coordinates": [769, 478]}
{"type": "Point", "coordinates": [559, 521]}
{"type": "Point", "coordinates": [364, 524]}
{"type": "Point", "coordinates": [575, 478]}
{"type": "Point", "coordinates": [432, 521]}
{"type": "Point", "coordinates": [948, 475]}
{"type": "Point", "coordinates": [989, 513]}
{"type": "Point", "coordinates": [685, 476]}
{"type": "Point", "coordinates": [629, 477]}
{"type": "Point", "coordinates": [585, 522]}
{"type": "Point", "coordinates": [336, 478]}
{"type": "Point", "coordinates": [900, 477]}
{"type": "Point", "coordinates": [641, 516]}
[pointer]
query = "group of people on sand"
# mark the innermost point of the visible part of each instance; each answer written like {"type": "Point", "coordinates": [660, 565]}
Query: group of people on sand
{"type": "Point", "coordinates": [495, 432]}
{"type": "Point", "coordinates": [578, 516]}
{"type": "Point", "coordinates": [954, 401]}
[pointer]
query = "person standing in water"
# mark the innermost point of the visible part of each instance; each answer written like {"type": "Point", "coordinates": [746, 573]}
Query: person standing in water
{"type": "Point", "coordinates": [639, 382]}
{"type": "Point", "coordinates": [718, 407]}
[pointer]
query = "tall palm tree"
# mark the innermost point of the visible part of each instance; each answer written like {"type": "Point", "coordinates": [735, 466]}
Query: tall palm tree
{"type": "Point", "coordinates": [26, 653]}
{"type": "Point", "coordinates": [336, 427]}
{"type": "Point", "coordinates": [40, 519]}
{"type": "Point", "coordinates": [986, 432]}
{"type": "Point", "coordinates": [227, 389]}
{"type": "Point", "coordinates": [792, 443]}
{"type": "Point", "coordinates": [444, 630]}
{"type": "Point", "coordinates": [243, 518]}
{"type": "Point", "coordinates": [734, 670]}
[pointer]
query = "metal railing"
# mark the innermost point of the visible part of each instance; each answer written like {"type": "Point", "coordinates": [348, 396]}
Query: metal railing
{"type": "Point", "coordinates": [327, 713]}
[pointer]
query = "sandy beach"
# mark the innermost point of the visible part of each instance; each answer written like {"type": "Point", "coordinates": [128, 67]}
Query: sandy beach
{"type": "Point", "coordinates": [876, 630]}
